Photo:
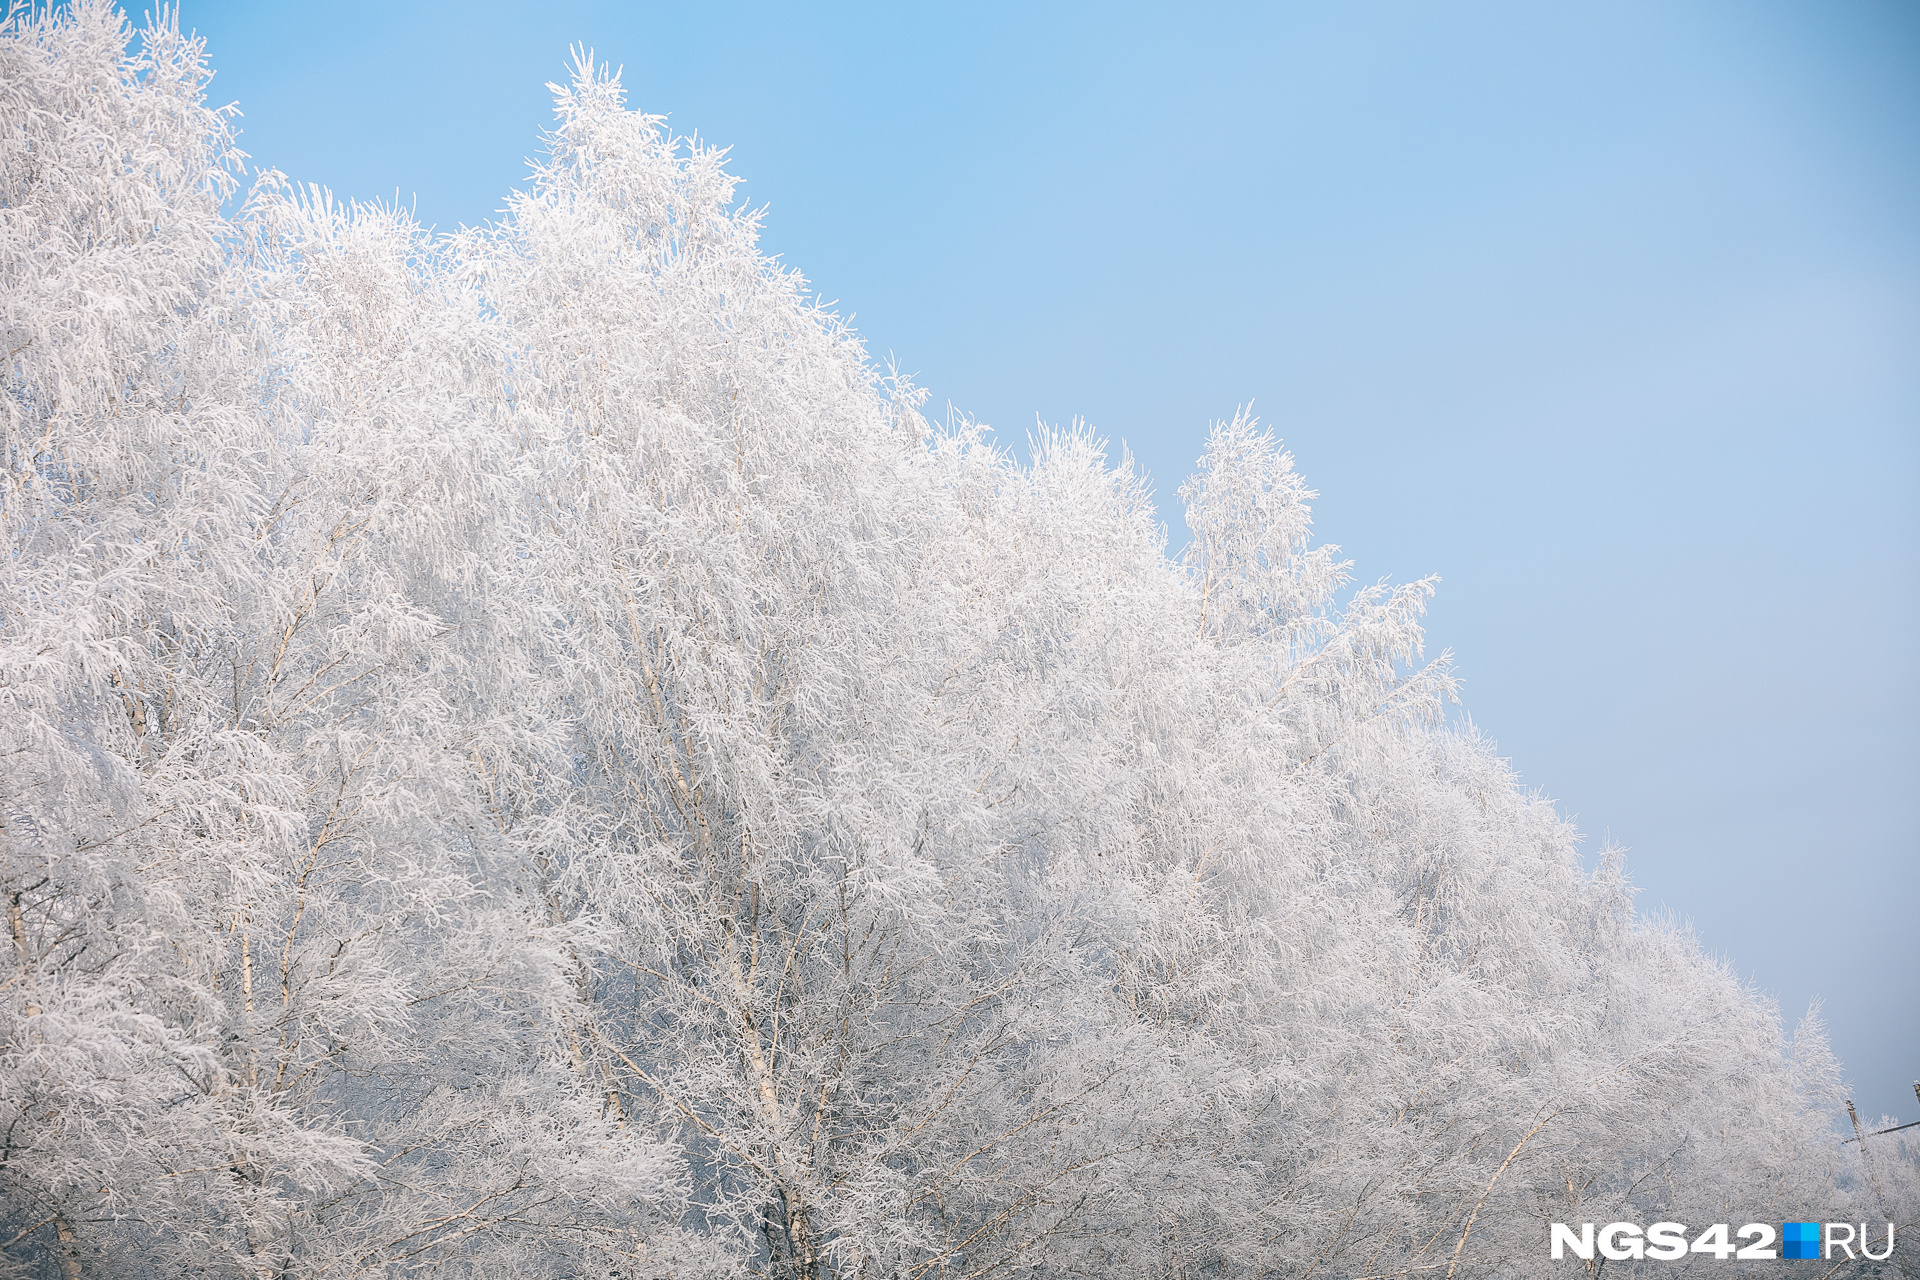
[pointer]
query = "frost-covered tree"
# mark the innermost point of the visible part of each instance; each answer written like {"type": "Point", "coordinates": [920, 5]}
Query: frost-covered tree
{"type": "Point", "coordinates": [279, 993]}
{"type": "Point", "coordinates": [523, 753]}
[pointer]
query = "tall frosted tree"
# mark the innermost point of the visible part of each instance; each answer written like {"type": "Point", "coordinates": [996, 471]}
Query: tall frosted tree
{"type": "Point", "coordinates": [280, 996]}
{"type": "Point", "coordinates": [522, 753]}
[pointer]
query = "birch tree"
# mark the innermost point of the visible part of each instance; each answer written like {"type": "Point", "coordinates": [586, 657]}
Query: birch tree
{"type": "Point", "coordinates": [526, 754]}
{"type": "Point", "coordinates": [277, 1002]}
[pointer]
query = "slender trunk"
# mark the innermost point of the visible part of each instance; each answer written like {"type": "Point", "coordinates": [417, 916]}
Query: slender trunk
{"type": "Point", "coordinates": [16, 925]}
{"type": "Point", "coordinates": [69, 1250]}
{"type": "Point", "coordinates": [246, 1002]}
{"type": "Point", "coordinates": [790, 1168]}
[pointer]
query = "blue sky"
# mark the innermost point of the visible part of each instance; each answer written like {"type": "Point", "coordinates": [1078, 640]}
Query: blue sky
{"type": "Point", "coordinates": [1608, 315]}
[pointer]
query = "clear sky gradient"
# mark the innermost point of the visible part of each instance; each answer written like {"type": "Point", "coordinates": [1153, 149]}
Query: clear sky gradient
{"type": "Point", "coordinates": [1608, 315]}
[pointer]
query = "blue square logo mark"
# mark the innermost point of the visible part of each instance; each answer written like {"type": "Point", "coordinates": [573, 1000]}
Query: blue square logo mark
{"type": "Point", "coordinates": [1800, 1240]}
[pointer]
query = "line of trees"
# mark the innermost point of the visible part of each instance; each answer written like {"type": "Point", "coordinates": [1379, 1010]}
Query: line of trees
{"type": "Point", "coordinates": [523, 754]}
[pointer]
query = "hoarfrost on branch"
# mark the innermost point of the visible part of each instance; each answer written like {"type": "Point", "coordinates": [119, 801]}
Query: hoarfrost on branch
{"type": "Point", "coordinates": [526, 755]}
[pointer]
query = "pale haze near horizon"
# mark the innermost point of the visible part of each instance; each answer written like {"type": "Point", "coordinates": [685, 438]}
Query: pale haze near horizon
{"type": "Point", "coordinates": [1611, 318]}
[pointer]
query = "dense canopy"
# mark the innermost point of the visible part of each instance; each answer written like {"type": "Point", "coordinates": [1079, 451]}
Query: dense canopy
{"type": "Point", "coordinates": [524, 754]}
